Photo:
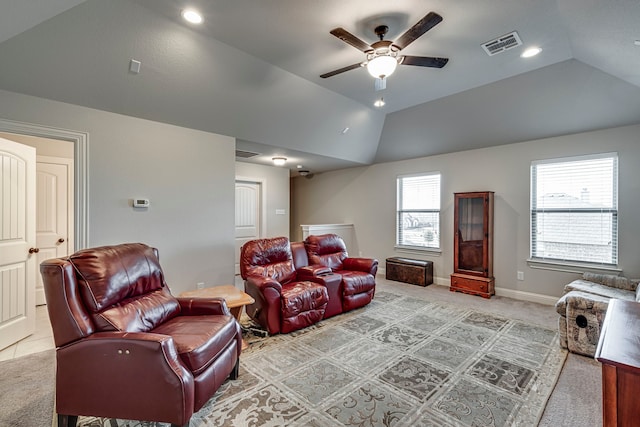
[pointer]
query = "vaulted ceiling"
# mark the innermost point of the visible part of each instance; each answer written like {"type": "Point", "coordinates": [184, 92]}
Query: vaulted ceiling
{"type": "Point", "coordinates": [251, 71]}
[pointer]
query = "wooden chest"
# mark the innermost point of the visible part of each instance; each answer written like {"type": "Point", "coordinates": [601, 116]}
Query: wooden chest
{"type": "Point", "coordinates": [414, 271]}
{"type": "Point", "coordinates": [474, 285]}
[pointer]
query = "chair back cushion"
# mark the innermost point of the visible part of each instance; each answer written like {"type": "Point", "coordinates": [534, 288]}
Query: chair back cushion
{"type": "Point", "coordinates": [268, 258]}
{"type": "Point", "coordinates": [123, 287]}
{"type": "Point", "coordinates": [326, 249]}
{"type": "Point", "coordinates": [299, 253]}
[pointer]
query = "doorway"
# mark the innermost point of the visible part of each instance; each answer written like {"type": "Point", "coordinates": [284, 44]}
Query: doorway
{"type": "Point", "coordinates": [74, 189]}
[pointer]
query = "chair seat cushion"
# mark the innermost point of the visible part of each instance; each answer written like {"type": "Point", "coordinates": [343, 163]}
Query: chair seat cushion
{"type": "Point", "coordinates": [298, 297]}
{"type": "Point", "coordinates": [303, 304]}
{"type": "Point", "coordinates": [357, 282]}
{"type": "Point", "coordinates": [199, 339]}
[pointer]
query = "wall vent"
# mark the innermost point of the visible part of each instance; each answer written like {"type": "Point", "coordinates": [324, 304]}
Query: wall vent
{"type": "Point", "coordinates": [502, 43]}
{"type": "Point", "coordinates": [246, 154]}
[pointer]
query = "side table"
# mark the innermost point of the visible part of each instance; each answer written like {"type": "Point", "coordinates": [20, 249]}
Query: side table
{"type": "Point", "coordinates": [619, 352]}
{"type": "Point", "coordinates": [235, 298]}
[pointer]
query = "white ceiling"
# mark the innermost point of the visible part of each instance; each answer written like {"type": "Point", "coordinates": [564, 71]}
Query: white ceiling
{"type": "Point", "coordinates": [252, 71]}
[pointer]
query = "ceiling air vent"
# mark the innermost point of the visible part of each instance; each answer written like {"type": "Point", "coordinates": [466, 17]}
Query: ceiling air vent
{"type": "Point", "coordinates": [246, 154]}
{"type": "Point", "coordinates": [502, 43]}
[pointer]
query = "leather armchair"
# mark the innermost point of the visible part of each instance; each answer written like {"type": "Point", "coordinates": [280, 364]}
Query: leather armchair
{"type": "Point", "coordinates": [283, 302]}
{"type": "Point", "coordinates": [358, 274]}
{"type": "Point", "coordinates": [125, 347]}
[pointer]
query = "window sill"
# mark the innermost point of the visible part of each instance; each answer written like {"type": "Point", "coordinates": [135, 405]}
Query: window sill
{"type": "Point", "coordinates": [418, 250]}
{"type": "Point", "coordinates": [570, 267]}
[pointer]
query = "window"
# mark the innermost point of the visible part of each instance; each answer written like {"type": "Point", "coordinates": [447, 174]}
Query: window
{"type": "Point", "coordinates": [574, 209]}
{"type": "Point", "coordinates": [418, 211]}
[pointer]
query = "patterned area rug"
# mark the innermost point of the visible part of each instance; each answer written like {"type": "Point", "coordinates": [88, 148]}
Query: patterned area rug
{"type": "Point", "coordinates": [400, 361]}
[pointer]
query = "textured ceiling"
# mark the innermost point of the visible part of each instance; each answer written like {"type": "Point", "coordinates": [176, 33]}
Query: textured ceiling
{"type": "Point", "coordinates": [252, 71]}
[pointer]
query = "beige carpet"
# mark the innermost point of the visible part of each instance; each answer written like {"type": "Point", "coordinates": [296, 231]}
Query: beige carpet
{"type": "Point", "coordinates": [403, 360]}
{"type": "Point", "coordinates": [575, 401]}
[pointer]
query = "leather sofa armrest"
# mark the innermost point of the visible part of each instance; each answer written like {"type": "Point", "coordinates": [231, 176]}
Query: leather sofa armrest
{"type": "Point", "coordinates": [203, 306]}
{"type": "Point", "coordinates": [262, 283]}
{"type": "Point", "coordinates": [109, 360]}
{"type": "Point", "coordinates": [310, 271]}
{"type": "Point", "coordinates": [267, 307]}
{"type": "Point", "coordinates": [368, 265]}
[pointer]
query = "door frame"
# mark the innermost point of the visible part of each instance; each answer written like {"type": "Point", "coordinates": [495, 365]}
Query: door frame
{"type": "Point", "coordinates": [80, 142]}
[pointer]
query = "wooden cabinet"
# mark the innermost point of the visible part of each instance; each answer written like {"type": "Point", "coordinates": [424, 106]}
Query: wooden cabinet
{"type": "Point", "coordinates": [619, 352]}
{"type": "Point", "coordinates": [473, 244]}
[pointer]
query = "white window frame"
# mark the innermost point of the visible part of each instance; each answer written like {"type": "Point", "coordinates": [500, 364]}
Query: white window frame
{"type": "Point", "coordinates": [399, 212]}
{"type": "Point", "coordinates": [574, 265]}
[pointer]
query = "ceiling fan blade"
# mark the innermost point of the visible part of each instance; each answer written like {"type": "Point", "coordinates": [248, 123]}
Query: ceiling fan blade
{"type": "Point", "coordinates": [341, 70]}
{"type": "Point", "coordinates": [422, 26]}
{"type": "Point", "coordinates": [349, 38]}
{"type": "Point", "coordinates": [424, 61]}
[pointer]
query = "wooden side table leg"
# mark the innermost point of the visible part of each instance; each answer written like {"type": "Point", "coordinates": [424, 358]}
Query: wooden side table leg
{"type": "Point", "coordinates": [237, 313]}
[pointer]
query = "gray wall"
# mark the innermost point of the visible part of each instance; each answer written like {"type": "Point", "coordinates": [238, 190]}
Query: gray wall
{"type": "Point", "coordinates": [276, 181]}
{"type": "Point", "coordinates": [188, 176]}
{"type": "Point", "coordinates": [366, 197]}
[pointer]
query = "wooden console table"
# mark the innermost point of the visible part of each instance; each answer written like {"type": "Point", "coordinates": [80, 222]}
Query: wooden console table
{"type": "Point", "coordinates": [619, 352]}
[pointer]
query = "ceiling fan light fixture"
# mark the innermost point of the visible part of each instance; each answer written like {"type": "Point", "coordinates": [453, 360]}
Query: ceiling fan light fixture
{"type": "Point", "coordinates": [382, 66]}
{"type": "Point", "coordinates": [279, 161]}
{"type": "Point", "coordinates": [379, 103]}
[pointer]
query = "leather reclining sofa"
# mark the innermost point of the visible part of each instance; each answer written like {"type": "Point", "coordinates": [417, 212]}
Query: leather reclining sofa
{"type": "Point", "coordinates": [296, 285]}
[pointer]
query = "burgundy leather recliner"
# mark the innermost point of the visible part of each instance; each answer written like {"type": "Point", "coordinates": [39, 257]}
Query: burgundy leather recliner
{"type": "Point", "coordinates": [358, 274]}
{"type": "Point", "coordinates": [283, 301]}
{"type": "Point", "coordinates": [125, 347]}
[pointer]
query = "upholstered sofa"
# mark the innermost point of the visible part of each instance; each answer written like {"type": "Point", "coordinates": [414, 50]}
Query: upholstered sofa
{"type": "Point", "coordinates": [297, 284]}
{"type": "Point", "coordinates": [125, 346]}
{"type": "Point", "coordinates": [583, 306]}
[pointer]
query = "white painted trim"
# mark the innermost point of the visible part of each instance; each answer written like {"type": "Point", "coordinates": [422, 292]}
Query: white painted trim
{"type": "Point", "coordinates": [501, 292]}
{"type": "Point", "coordinates": [438, 281]}
{"type": "Point", "coordinates": [526, 296]}
{"type": "Point", "coordinates": [324, 227]}
{"type": "Point", "coordinates": [569, 267]}
{"type": "Point", "coordinates": [80, 142]}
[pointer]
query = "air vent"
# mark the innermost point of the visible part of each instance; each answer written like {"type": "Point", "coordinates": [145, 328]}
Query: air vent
{"type": "Point", "coordinates": [502, 43]}
{"type": "Point", "coordinates": [246, 154]}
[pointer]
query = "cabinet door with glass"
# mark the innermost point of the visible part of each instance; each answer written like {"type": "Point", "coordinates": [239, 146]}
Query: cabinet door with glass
{"type": "Point", "coordinates": [473, 226]}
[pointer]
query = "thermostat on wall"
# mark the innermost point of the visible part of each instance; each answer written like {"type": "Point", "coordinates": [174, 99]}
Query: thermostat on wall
{"type": "Point", "coordinates": [140, 203]}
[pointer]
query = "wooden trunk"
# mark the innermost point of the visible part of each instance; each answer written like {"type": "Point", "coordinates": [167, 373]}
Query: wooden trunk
{"type": "Point", "coordinates": [414, 271]}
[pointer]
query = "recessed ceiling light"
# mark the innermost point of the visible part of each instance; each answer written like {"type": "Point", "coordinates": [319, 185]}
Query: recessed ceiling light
{"type": "Point", "coordinates": [379, 103]}
{"type": "Point", "coordinates": [532, 51]}
{"type": "Point", "coordinates": [636, 42]}
{"type": "Point", "coordinates": [192, 15]}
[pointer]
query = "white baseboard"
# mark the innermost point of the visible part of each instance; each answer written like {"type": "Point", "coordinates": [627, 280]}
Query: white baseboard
{"type": "Point", "coordinates": [526, 296]}
{"type": "Point", "coordinates": [501, 292]}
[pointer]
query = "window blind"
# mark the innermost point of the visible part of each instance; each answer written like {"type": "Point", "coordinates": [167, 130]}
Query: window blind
{"type": "Point", "coordinates": [574, 209]}
{"type": "Point", "coordinates": [418, 211]}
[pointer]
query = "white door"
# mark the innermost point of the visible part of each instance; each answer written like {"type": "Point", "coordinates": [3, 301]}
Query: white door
{"type": "Point", "coordinates": [54, 212]}
{"type": "Point", "coordinates": [248, 214]}
{"type": "Point", "coordinates": [17, 238]}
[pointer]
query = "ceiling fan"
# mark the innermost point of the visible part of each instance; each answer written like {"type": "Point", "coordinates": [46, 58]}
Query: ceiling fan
{"type": "Point", "coordinates": [383, 55]}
